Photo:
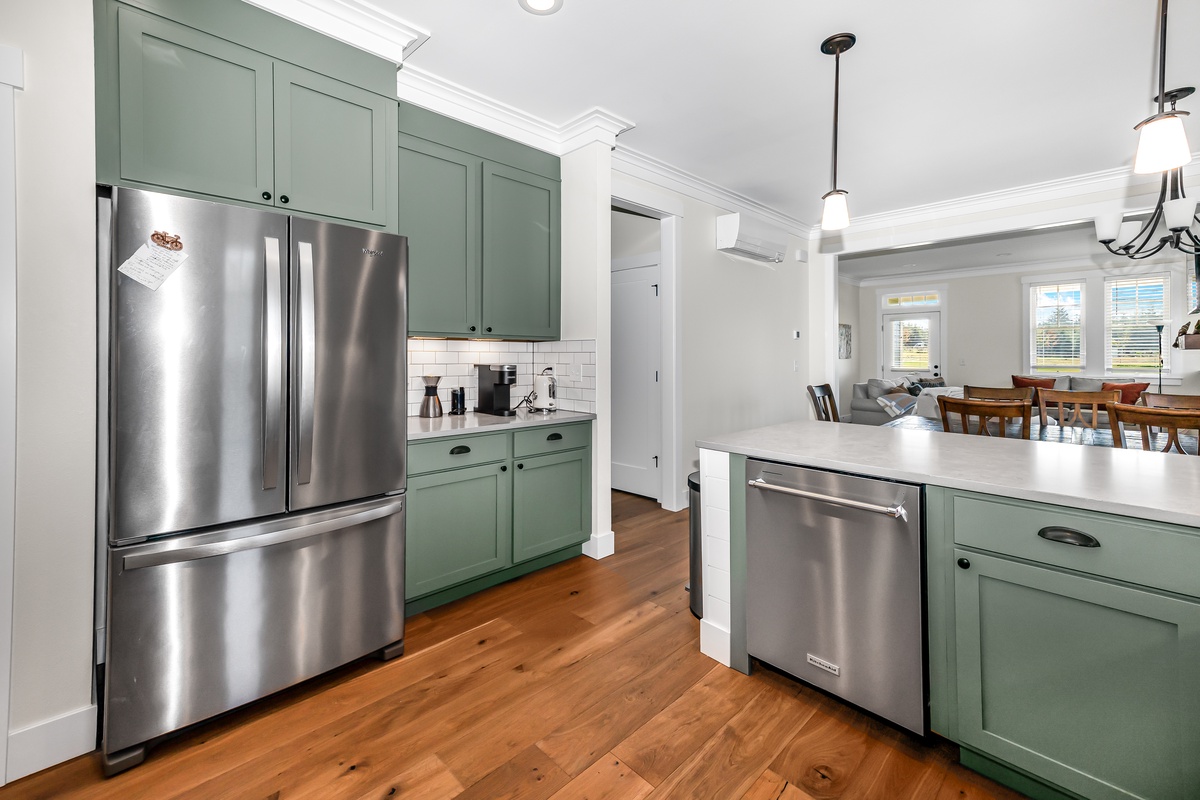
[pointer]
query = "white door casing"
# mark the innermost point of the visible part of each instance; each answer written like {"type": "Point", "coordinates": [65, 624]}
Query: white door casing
{"type": "Point", "coordinates": [636, 396]}
{"type": "Point", "coordinates": [912, 345]}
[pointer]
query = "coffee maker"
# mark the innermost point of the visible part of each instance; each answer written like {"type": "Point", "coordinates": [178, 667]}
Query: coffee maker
{"type": "Point", "coordinates": [494, 380]}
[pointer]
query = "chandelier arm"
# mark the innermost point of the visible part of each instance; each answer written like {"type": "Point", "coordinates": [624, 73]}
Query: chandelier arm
{"type": "Point", "coordinates": [1138, 255]}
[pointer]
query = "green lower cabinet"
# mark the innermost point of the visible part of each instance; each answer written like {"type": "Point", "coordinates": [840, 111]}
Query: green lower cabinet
{"type": "Point", "coordinates": [1087, 683]}
{"type": "Point", "coordinates": [551, 502]}
{"type": "Point", "coordinates": [458, 527]}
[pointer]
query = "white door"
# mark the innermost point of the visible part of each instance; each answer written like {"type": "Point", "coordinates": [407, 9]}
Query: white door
{"type": "Point", "coordinates": [636, 402]}
{"type": "Point", "coordinates": [912, 345]}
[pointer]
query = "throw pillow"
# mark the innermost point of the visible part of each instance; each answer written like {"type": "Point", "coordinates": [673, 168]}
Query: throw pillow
{"type": "Point", "coordinates": [1086, 384]}
{"type": "Point", "coordinates": [878, 387]}
{"type": "Point", "coordinates": [1130, 392]}
{"type": "Point", "coordinates": [1022, 382]}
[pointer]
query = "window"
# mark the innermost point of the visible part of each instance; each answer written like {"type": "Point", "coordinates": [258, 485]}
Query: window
{"type": "Point", "coordinates": [912, 300]}
{"type": "Point", "coordinates": [1056, 316]}
{"type": "Point", "coordinates": [1193, 295]}
{"type": "Point", "coordinates": [909, 344]}
{"type": "Point", "coordinates": [1132, 308]}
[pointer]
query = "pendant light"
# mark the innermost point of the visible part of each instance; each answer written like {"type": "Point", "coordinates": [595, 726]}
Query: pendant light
{"type": "Point", "coordinates": [836, 214]}
{"type": "Point", "coordinates": [1162, 147]}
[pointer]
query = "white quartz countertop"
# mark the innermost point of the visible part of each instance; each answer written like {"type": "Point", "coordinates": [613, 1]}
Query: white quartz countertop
{"type": "Point", "coordinates": [1134, 483]}
{"type": "Point", "coordinates": [446, 425]}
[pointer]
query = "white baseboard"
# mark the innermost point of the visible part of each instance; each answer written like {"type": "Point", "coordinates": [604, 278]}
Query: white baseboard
{"type": "Point", "coordinates": [51, 742]}
{"type": "Point", "coordinates": [714, 642]}
{"type": "Point", "coordinates": [601, 546]}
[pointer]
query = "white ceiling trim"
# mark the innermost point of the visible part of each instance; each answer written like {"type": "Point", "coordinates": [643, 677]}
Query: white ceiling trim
{"type": "Point", "coordinates": [639, 165]}
{"type": "Point", "coordinates": [1067, 262]}
{"type": "Point", "coordinates": [354, 22]}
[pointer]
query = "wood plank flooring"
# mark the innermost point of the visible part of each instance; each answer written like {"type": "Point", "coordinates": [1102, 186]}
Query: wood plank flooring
{"type": "Point", "coordinates": [584, 680]}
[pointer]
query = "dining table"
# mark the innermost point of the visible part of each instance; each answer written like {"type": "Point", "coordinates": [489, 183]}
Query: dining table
{"type": "Point", "coordinates": [1064, 434]}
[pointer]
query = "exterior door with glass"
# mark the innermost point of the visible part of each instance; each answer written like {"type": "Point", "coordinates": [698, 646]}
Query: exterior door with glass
{"type": "Point", "coordinates": [912, 345]}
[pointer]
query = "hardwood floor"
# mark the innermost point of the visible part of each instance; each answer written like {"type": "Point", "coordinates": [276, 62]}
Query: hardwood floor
{"type": "Point", "coordinates": [582, 680]}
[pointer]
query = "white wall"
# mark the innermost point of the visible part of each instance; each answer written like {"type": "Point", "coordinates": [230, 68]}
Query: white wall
{"type": "Point", "coordinates": [633, 235]}
{"type": "Point", "coordinates": [847, 369]}
{"type": "Point", "coordinates": [55, 494]}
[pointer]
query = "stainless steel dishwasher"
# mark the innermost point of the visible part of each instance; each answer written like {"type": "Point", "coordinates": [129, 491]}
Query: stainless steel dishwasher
{"type": "Point", "coordinates": [834, 586]}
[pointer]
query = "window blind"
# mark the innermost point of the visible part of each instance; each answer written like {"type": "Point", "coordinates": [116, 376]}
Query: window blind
{"type": "Point", "coordinates": [1132, 308]}
{"type": "Point", "coordinates": [910, 344]}
{"type": "Point", "coordinates": [1056, 318]}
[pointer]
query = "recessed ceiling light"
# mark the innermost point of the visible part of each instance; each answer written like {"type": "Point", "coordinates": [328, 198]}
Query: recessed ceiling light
{"type": "Point", "coordinates": [541, 7]}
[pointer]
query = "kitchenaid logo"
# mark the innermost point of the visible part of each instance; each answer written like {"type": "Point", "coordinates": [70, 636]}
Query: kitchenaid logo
{"type": "Point", "coordinates": [372, 253]}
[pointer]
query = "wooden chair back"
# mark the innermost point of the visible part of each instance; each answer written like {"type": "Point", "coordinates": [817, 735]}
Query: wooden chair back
{"type": "Point", "coordinates": [1152, 400]}
{"type": "Point", "coordinates": [998, 392]}
{"type": "Point", "coordinates": [824, 402]}
{"type": "Point", "coordinates": [1070, 405]}
{"type": "Point", "coordinates": [1169, 420]}
{"type": "Point", "coordinates": [1002, 410]}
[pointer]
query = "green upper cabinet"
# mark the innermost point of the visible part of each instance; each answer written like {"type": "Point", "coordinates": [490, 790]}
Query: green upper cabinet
{"type": "Point", "coordinates": [183, 104]}
{"type": "Point", "coordinates": [195, 111]}
{"type": "Point", "coordinates": [331, 146]}
{"type": "Point", "coordinates": [482, 214]}
{"type": "Point", "coordinates": [441, 221]}
{"type": "Point", "coordinates": [521, 271]}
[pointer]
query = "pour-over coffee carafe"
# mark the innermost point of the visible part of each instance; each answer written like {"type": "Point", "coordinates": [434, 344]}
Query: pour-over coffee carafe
{"type": "Point", "coordinates": [431, 404]}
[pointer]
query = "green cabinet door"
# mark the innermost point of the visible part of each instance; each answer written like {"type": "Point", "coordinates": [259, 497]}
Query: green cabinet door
{"type": "Point", "coordinates": [1090, 684]}
{"type": "Point", "coordinates": [331, 147]}
{"type": "Point", "coordinates": [439, 213]}
{"type": "Point", "coordinates": [195, 110]}
{"type": "Point", "coordinates": [521, 267]}
{"type": "Point", "coordinates": [458, 527]}
{"type": "Point", "coordinates": [551, 502]}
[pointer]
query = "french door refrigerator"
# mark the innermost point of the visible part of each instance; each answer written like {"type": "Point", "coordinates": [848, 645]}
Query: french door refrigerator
{"type": "Point", "coordinates": [251, 456]}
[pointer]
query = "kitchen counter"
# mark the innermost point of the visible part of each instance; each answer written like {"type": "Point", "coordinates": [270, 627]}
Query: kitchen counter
{"type": "Point", "coordinates": [1128, 482]}
{"type": "Point", "coordinates": [446, 425]}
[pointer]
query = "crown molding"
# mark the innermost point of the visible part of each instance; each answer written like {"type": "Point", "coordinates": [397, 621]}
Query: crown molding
{"type": "Point", "coordinates": [354, 22]}
{"type": "Point", "coordinates": [639, 165]}
{"type": "Point", "coordinates": [596, 125]}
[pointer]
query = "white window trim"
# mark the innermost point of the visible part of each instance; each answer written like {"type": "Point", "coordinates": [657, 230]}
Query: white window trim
{"type": "Point", "coordinates": [943, 309]}
{"type": "Point", "coordinates": [1027, 284]}
{"type": "Point", "coordinates": [1094, 335]}
{"type": "Point", "coordinates": [1172, 287]}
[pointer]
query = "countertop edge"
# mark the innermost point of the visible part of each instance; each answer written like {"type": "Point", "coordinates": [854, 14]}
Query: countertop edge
{"type": "Point", "coordinates": [468, 424]}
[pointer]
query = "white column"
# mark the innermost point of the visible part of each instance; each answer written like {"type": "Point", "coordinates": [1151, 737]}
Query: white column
{"type": "Point", "coordinates": [586, 307]}
{"type": "Point", "coordinates": [822, 280]}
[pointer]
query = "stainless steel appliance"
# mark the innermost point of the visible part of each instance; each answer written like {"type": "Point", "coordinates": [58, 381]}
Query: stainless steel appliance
{"type": "Point", "coordinates": [495, 381]}
{"type": "Point", "coordinates": [545, 392]}
{"type": "Point", "coordinates": [834, 586]}
{"type": "Point", "coordinates": [251, 456]}
{"type": "Point", "coordinates": [431, 404]}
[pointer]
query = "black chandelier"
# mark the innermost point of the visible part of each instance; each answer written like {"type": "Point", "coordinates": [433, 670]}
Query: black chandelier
{"type": "Point", "coordinates": [1162, 147]}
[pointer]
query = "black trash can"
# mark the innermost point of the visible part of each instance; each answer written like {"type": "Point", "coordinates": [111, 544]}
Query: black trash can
{"type": "Point", "coordinates": [695, 547]}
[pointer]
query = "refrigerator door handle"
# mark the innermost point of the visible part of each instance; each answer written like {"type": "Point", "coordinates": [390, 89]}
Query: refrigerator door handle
{"type": "Point", "coordinates": [254, 541]}
{"type": "Point", "coordinates": [308, 364]}
{"type": "Point", "coordinates": [272, 417]}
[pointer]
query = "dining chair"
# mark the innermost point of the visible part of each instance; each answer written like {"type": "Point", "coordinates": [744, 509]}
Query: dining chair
{"type": "Point", "coordinates": [1003, 411]}
{"type": "Point", "coordinates": [1169, 421]}
{"type": "Point", "coordinates": [1153, 400]}
{"type": "Point", "coordinates": [824, 402]}
{"type": "Point", "coordinates": [1070, 405]}
{"type": "Point", "coordinates": [998, 392]}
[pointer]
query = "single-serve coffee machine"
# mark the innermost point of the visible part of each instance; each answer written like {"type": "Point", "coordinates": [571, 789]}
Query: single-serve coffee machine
{"type": "Point", "coordinates": [494, 380]}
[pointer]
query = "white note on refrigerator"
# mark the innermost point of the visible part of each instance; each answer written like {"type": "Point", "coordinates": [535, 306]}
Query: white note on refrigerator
{"type": "Point", "coordinates": [151, 265]}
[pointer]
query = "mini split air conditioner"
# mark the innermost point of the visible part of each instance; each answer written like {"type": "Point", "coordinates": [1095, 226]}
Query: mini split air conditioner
{"type": "Point", "coordinates": [740, 235]}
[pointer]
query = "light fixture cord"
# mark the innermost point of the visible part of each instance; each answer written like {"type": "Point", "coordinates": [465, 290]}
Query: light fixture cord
{"type": "Point", "coordinates": [837, 80]}
{"type": "Point", "coordinates": [1162, 60]}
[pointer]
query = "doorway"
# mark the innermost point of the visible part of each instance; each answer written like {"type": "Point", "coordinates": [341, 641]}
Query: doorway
{"type": "Point", "coordinates": [912, 345]}
{"type": "Point", "coordinates": [636, 399]}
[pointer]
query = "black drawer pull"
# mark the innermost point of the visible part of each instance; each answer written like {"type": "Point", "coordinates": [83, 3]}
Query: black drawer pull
{"type": "Point", "coordinates": [554, 437]}
{"type": "Point", "coordinates": [1055, 533]}
{"type": "Point", "coordinates": [460, 450]}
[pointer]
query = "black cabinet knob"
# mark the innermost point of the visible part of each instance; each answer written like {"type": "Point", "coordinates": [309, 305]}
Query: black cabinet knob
{"type": "Point", "coordinates": [964, 563]}
{"type": "Point", "coordinates": [489, 328]}
{"type": "Point", "coordinates": [520, 466]}
{"type": "Point", "coordinates": [283, 198]}
{"type": "Point", "coordinates": [472, 328]}
{"type": "Point", "coordinates": [503, 469]}
{"type": "Point", "coordinates": [266, 195]}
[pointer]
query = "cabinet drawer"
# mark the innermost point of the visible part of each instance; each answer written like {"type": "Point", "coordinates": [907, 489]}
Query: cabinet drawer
{"type": "Point", "coordinates": [456, 451]}
{"type": "Point", "coordinates": [551, 439]}
{"type": "Point", "coordinates": [1145, 553]}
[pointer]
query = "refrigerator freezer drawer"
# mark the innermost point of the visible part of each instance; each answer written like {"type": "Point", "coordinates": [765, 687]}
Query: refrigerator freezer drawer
{"type": "Point", "coordinates": [212, 621]}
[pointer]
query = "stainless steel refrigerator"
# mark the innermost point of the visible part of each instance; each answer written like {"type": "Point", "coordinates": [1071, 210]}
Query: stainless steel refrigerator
{"type": "Point", "coordinates": [251, 456]}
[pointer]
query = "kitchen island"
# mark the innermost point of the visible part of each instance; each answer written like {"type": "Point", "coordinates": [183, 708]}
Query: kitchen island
{"type": "Point", "coordinates": [1062, 668]}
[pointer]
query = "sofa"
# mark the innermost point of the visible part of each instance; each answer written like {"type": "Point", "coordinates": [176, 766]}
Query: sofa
{"type": "Point", "coordinates": [865, 408]}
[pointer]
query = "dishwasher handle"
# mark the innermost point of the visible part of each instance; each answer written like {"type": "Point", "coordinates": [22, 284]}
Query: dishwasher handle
{"type": "Point", "coordinates": [898, 511]}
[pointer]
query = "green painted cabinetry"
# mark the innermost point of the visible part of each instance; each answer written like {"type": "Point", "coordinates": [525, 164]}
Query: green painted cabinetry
{"type": "Point", "coordinates": [188, 110]}
{"type": "Point", "coordinates": [1062, 664]}
{"type": "Point", "coordinates": [483, 509]}
{"type": "Point", "coordinates": [482, 214]}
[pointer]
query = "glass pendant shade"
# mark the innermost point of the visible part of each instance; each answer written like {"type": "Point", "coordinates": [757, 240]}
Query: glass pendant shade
{"type": "Point", "coordinates": [1127, 232]}
{"type": "Point", "coordinates": [836, 215]}
{"type": "Point", "coordinates": [1178, 213]}
{"type": "Point", "coordinates": [1108, 226]}
{"type": "Point", "coordinates": [1162, 145]}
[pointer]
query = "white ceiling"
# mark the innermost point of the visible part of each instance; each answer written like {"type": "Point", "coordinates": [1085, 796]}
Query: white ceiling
{"type": "Point", "coordinates": [940, 98]}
